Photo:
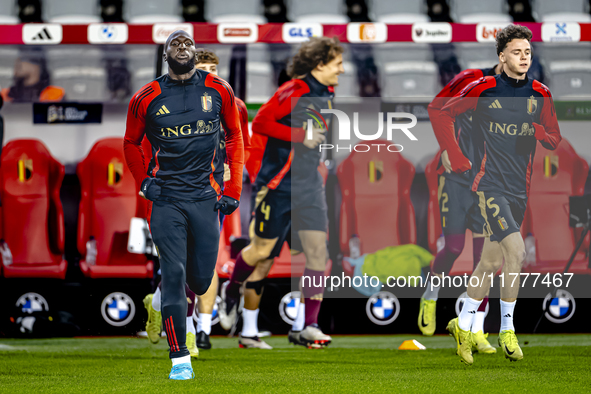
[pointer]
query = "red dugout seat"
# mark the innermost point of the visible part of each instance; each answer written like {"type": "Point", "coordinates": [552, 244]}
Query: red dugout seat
{"type": "Point", "coordinates": [556, 175]}
{"type": "Point", "coordinates": [463, 264]}
{"type": "Point", "coordinates": [376, 205]}
{"type": "Point", "coordinates": [32, 213]}
{"type": "Point", "coordinates": [109, 200]}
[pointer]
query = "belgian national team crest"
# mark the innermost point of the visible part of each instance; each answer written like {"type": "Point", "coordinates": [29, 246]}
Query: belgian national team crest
{"type": "Point", "coordinates": [532, 105]}
{"type": "Point", "coordinates": [206, 102]}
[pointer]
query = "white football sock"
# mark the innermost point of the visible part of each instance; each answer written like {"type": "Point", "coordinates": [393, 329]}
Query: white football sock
{"type": "Point", "coordinates": [431, 294]}
{"type": "Point", "coordinates": [478, 323]}
{"type": "Point", "coordinates": [250, 323]}
{"type": "Point", "coordinates": [298, 324]}
{"type": "Point", "coordinates": [181, 360]}
{"type": "Point", "coordinates": [156, 299]}
{"type": "Point", "coordinates": [468, 312]}
{"type": "Point", "coordinates": [204, 323]}
{"type": "Point", "coordinates": [507, 315]}
{"type": "Point", "coordinates": [190, 325]}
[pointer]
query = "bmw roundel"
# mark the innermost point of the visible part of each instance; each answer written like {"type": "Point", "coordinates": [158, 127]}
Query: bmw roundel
{"type": "Point", "coordinates": [288, 307]}
{"type": "Point", "coordinates": [382, 308]}
{"type": "Point", "coordinates": [560, 308]}
{"type": "Point", "coordinates": [32, 302]}
{"type": "Point", "coordinates": [118, 309]}
{"type": "Point", "coordinates": [460, 304]}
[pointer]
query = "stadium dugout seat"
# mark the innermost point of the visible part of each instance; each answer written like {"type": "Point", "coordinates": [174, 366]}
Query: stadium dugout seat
{"type": "Point", "coordinates": [327, 11]}
{"type": "Point", "coordinates": [71, 12]}
{"type": "Point", "coordinates": [376, 205]}
{"type": "Point", "coordinates": [109, 198]}
{"type": "Point", "coordinates": [141, 62]}
{"type": "Point", "coordinates": [32, 215]}
{"type": "Point", "coordinates": [464, 263]}
{"type": "Point", "coordinates": [235, 11]}
{"type": "Point", "coordinates": [260, 84]}
{"type": "Point", "coordinates": [475, 55]}
{"type": "Point", "coordinates": [348, 87]}
{"type": "Point", "coordinates": [80, 72]}
{"type": "Point", "coordinates": [8, 14]}
{"type": "Point", "coordinates": [476, 11]}
{"type": "Point", "coordinates": [561, 11]}
{"type": "Point", "coordinates": [152, 11]}
{"type": "Point", "coordinates": [394, 52]}
{"type": "Point", "coordinates": [556, 175]}
{"type": "Point", "coordinates": [8, 57]}
{"type": "Point", "coordinates": [570, 79]}
{"type": "Point", "coordinates": [409, 79]}
{"type": "Point", "coordinates": [398, 11]}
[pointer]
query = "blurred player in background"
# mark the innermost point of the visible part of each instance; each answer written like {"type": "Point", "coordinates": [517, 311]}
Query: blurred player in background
{"type": "Point", "coordinates": [510, 114]}
{"type": "Point", "coordinates": [205, 60]}
{"type": "Point", "coordinates": [182, 114]}
{"type": "Point", "coordinates": [457, 208]}
{"type": "Point", "coordinates": [289, 186]}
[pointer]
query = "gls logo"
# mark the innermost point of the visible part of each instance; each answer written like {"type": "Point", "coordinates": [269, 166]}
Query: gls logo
{"type": "Point", "coordinates": [300, 32]}
{"type": "Point", "coordinates": [344, 133]}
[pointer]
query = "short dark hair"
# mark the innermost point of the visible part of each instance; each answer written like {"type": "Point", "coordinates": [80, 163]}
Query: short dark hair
{"type": "Point", "coordinates": [312, 53]}
{"type": "Point", "coordinates": [203, 55]}
{"type": "Point", "coordinates": [510, 33]}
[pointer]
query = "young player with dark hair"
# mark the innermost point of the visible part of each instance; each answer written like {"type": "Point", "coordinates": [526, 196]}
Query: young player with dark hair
{"type": "Point", "coordinates": [289, 184]}
{"type": "Point", "coordinates": [510, 114]}
{"type": "Point", "coordinates": [458, 211]}
{"type": "Point", "coordinates": [182, 113]}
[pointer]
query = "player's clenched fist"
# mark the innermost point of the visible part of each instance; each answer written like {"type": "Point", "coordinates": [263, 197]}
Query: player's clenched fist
{"type": "Point", "coordinates": [317, 138]}
{"type": "Point", "coordinates": [226, 205]}
{"type": "Point", "coordinates": [151, 188]}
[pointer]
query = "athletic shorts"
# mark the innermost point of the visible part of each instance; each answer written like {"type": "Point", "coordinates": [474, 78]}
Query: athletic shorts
{"type": "Point", "coordinates": [457, 208]}
{"type": "Point", "coordinates": [503, 214]}
{"type": "Point", "coordinates": [277, 213]}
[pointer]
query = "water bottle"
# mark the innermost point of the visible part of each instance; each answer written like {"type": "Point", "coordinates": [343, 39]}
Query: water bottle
{"type": "Point", "coordinates": [530, 250]}
{"type": "Point", "coordinates": [91, 251]}
{"type": "Point", "coordinates": [6, 254]}
{"type": "Point", "coordinates": [440, 243]}
{"type": "Point", "coordinates": [354, 246]}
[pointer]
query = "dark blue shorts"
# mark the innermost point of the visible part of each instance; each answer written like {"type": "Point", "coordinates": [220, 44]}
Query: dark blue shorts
{"type": "Point", "coordinates": [503, 214]}
{"type": "Point", "coordinates": [457, 208]}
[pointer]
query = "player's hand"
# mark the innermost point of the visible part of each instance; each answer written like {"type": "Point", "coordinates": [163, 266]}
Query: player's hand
{"type": "Point", "coordinates": [227, 174]}
{"type": "Point", "coordinates": [318, 137]}
{"type": "Point", "coordinates": [540, 131]}
{"type": "Point", "coordinates": [457, 161]}
{"type": "Point", "coordinates": [226, 205]}
{"type": "Point", "coordinates": [445, 161]}
{"type": "Point", "coordinates": [151, 188]}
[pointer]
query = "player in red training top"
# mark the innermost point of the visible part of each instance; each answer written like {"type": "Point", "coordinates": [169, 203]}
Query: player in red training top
{"type": "Point", "coordinates": [290, 189]}
{"type": "Point", "coordinates": [510, 114]}
{"type": "Point", "coordinates": [182, 113]}
{"type": "Point", "coordinates": [457, 208]}
{"type": "Point", "coordinates": [205, 60]}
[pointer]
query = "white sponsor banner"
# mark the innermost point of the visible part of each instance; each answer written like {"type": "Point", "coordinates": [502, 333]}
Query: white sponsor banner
{"type": "Point", "coordinates": [367, 32]}
{"type": "Point", "coordinates": [161, 31]}
{"type": "Point", "coordinates": [42, 33]}
{"type": "Point", "coordinates": [487, 32]}
{"type": "Point", "coordinates": [238, 33]}
{"type": "Point", "coordinates": [436, 32]}
{"type": "Point", "coordinates": [561, 32]}
{"type": "Point", "coordinates": [293, 33]}
{"type": "Point", "coordinates": [107, 33]}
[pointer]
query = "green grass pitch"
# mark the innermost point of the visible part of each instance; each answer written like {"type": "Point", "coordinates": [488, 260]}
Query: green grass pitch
{"type": "Point", "coordinates": [357, 364]}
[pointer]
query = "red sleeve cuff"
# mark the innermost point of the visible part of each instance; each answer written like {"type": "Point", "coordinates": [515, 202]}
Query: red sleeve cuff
{"type": "Point", "coordinates": [298, 134]}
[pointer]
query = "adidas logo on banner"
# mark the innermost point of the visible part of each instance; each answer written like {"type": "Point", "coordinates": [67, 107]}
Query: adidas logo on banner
{"type": "Point", "coordinates": [42, 33]}
{"type": "Point", "coordinates": [163, 110]}
{"type": "Point", "coordinates": [495, 104]}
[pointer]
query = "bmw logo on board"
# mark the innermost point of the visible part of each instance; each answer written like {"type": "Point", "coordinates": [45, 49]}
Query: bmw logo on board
{"type": "Point", "coordinates": [32, 302]}
{"type": "Point", "coordinates": [561, 308]}
{"type": "Point", "coordinates": [118, 309]}
{"type": "Point", "coordinates": [288, 307]}
{"type": "Point", "coordinates": [382, 308]}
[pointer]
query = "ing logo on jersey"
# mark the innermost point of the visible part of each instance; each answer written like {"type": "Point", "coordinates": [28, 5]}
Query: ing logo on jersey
{"type": "Point", "coordinates": [532, 105]}
{"type": "Point", "coordinates": [206, 102]}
